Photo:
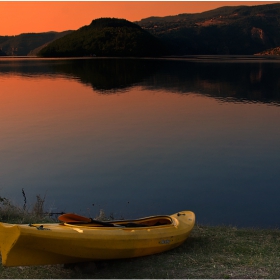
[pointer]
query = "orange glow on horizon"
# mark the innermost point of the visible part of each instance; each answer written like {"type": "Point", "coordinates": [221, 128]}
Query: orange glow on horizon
{"type": "Point", "coordinates": [27, 17]}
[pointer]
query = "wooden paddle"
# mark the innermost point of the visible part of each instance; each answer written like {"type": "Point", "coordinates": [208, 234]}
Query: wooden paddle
{"type": "Point", "coordinates": [74, 218]}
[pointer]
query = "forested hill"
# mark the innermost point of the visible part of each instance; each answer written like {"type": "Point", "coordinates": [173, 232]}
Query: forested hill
{"type": "Point", "coordinates": [226, 30]}
{"type": "Point", "coordinates": [237, 30]}
{"type": "Point", "coordinates": [106, 37]}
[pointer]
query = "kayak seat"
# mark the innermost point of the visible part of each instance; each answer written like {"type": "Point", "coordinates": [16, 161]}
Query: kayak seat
{"type": "Point", "coordinates": [149, 223]}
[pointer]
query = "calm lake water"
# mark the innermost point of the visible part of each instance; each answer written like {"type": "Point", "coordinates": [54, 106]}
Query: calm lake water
{"type": "Point", "coordinates": [138, 137]}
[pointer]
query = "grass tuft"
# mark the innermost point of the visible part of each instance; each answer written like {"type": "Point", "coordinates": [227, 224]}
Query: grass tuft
{"type": "Point", "coordinates": [10, 213]}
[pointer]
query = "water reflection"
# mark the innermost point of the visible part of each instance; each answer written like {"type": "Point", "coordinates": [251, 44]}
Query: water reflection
{"type": "Point", "coordinates": [239, 82]}
{"type": "Point", "coordinates": [163, 145]}
{"type": "Point", "coordinates": [226, 80]}
{"type": "Point", "coordinates": [109, 75]}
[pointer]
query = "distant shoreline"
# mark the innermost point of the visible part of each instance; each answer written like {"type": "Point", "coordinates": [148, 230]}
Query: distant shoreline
{"type": "Point", "coordinates": [183, 57]}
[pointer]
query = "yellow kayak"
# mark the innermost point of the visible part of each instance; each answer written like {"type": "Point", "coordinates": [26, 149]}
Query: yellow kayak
{"type": "Point", "coordinates": [81, 240]}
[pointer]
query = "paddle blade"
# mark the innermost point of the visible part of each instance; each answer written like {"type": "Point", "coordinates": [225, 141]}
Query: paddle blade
{"type": "Point", "coordinates": [73, 218]}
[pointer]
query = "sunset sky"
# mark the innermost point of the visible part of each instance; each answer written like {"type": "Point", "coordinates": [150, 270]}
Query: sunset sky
{"type": "Point", "coordinates": [35, 16]}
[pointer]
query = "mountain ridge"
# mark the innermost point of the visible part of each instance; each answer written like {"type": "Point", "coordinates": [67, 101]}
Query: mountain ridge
{"type": "Point", "coordinates": [24, 44]}
{"type": "Point", "coordinates": [238, 30]}
{"type": "Point", "coordinates": [243, 30]}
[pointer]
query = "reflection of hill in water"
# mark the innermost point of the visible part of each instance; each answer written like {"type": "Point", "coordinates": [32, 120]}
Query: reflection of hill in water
{"type": "Point", "coordinates": [228, 81]}
{"type": "Point", "coordinates": [242, 81]}
{"type": "Point", "coordinates": [109, 75]}
{"type": "Point", "coordinates": [27, 67]}
{"type": "Point", "coordinates": [104, 75]}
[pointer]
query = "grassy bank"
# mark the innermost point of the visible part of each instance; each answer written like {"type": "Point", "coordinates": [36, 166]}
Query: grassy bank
{"type": "Point", "coordinates": [210, 252]}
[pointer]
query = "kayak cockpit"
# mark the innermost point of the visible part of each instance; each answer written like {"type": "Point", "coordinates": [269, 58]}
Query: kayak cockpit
{"type": "Point", "coordinates": [146, 222]}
